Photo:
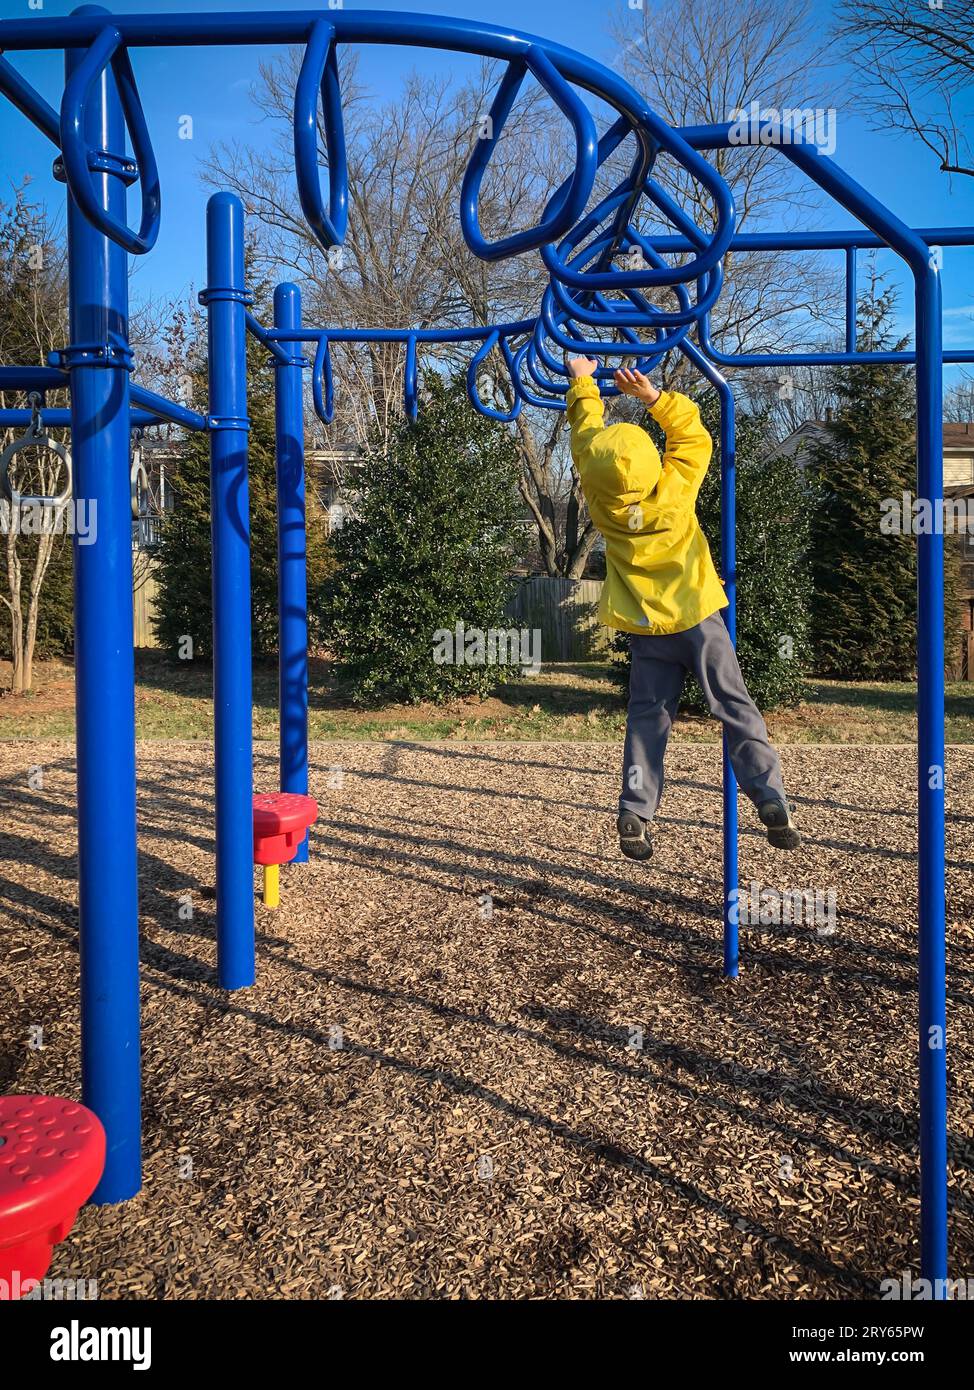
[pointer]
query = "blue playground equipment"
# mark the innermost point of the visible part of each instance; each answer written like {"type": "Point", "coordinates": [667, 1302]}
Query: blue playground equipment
{"type": "Point", "coordinates": [591, 306]}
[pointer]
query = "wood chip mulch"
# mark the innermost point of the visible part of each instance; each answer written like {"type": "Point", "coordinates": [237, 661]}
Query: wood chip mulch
{"type": "Point", "coordinates": [487, 1057]}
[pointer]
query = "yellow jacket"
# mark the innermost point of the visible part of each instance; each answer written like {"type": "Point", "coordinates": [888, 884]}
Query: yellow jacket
{"type": "Point", "coordinates": [660, 577]}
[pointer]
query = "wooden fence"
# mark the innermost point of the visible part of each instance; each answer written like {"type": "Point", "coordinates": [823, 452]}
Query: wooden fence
{"type": "Point", "coordinates": [144, 600]}
{"type": "Point", "coordinates": [566, 611]}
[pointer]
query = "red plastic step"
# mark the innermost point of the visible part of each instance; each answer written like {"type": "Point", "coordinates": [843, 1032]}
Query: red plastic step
{"type": "Point", "coordinates": [280, 820]}
{"type": "Point", "coordinates": [52, 1153]}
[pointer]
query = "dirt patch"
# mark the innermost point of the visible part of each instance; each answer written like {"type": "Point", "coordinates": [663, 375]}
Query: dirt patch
{"type": "Point", "coordinates": [488, 1058]}
{"type": "Point", "coordinates": [52, 691]}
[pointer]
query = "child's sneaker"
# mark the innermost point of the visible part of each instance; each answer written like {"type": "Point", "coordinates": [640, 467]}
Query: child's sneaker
{"type": "Point", "coordinates": [635, 838]}
{"type": "Point", "coordinates": [775, 816]}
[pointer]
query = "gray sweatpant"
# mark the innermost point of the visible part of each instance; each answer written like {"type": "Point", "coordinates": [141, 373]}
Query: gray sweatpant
{"type": "Point", "coordinates": [659, 670]}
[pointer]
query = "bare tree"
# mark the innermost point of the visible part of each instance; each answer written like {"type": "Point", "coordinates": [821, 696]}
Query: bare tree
{"type": "Point", "coordinates": [791, 396]}
{"type": "Point", "coordinates": [702, 62]}
{"type": "Point", "coordinates": [405, 262]}
{"type": "Point", "coordinates": [32, 323]}
{"type": "Point", "coordinates": [959, 401]}
{"type": "Point", "coordinates": [914, 65]}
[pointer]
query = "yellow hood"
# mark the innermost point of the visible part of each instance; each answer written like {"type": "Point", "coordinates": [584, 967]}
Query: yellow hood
{"type": "Point", "coordinates": [622, 465]}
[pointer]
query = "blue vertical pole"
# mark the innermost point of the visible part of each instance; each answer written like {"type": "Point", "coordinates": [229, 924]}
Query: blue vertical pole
{"type": "Point", "coordinates": [292, 581]}
{"type": "Point", "coordinates": [931, 778]}
{"type": "Point", "coordinates": [851, 299]}
{"type": "Point", "coordinates": [225, 298]}
{"type": "Point", "coordinates": [104, 661]}
{"type": "Point", "coordinates": [728, 565]}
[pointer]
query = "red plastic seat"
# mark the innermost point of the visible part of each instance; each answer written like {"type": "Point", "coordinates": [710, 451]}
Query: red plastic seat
{"type": "Point", "coordinates": [280, 821]}
{"type": "Point", "coordinates": [52, 1153]}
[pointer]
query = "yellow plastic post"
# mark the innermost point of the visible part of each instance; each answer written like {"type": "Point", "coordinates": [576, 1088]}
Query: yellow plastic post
{"type": "Point", "coordinates": [272, 885]}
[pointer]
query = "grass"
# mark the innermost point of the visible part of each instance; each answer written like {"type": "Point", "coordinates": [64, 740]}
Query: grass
{"type": "Point", "coordinates": [576, 702]}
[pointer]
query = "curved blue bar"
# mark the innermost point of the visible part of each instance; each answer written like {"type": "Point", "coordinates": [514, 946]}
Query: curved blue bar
{"type": "Point", "coordinates": [320, 69]}
{"type": "Point", "coordinates": [474, 395]}
{"type": "Point", "coordinates": [411, 379]}
{"type": "Point", "coordinates": [76, 152]}
{"type": "Point", "coordinates": [554, 66]}
{"type": "Point", "coordinates": [651, 314]}
{"type": "Point", "coordinates": [569, 203]}
{"type": "Point", "coordinates": [599, 347]}
{"type": "Point", "coordinates": [529, 398]}
{"type": "Point", "coordinates": [321, 379]}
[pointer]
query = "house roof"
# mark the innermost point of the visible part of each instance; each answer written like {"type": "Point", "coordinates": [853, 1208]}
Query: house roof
{"type": "Point", "coordinates": [959, 436]}
{"type": "Point", "coordinates": [956, 436]}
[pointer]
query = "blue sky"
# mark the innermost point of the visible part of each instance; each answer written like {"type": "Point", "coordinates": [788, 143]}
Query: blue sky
{"type": "Point", "coordinates": [213, 85]}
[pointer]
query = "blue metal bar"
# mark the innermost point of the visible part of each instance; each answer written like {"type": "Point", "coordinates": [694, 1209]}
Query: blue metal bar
{"type": "Point", "coordinates": [851, 299]}
{"type": "Point", "coordinates": [930, 701]}
{"type": "Point", "coordinates": [108, 890]}
{"type": "Point", "coordinates": [164, 409]}
{"type": "Point", "coordinates": [931, 765]}
{"type": "Point", "coordinates": [411, 379]}
{"type": "Point", "coordinates": [292, 546]}
{"type": "Point", "coordinates": [322, 382]}
{"type": "Point", "coordinates": [567, 205]}
{"type": "Point", "coordinates": [257, 330]}
{"type": "Point", "coordinates": [230, 530]}
{"type": "Point", "coordinates": [33, 379]}
{"type": "Point", "coordinates": [30, 102]}
{"type": "Point", "coordinates": [399, 335]}
{"type": "Point", "coordinates": [154, 406]}
{"type": "Point", "coordinates": [59, 418]}
{"type": "Point", "coordinates": [552, 64]}
{"type": "Point", "coordinates": [320, 71]}
{"type": "Point", "coordinates": [816, 241]}
{"type": "Point", "coordinates": [106, 50]}
{"type": "Point", "coordinates": [473, 369]}
{"type": "Point", "coordinates": [824, 359]}
{"type": "Point", "coordinates": [728, 569]}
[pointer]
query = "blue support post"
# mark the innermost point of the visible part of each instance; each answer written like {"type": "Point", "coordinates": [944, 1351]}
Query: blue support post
{"type": "Point", "coordinates": [104, 661]}
{"type": "Point", "coordinates": [931, 769]}
{"type": "Point", "coordinates": [225, 298]}
{"type": "Point", "coordinates": [728, 566]}
{"type": "Point", "coordinates": [292, 591]}
{"type": "Point", "coordinates": [851, 299]}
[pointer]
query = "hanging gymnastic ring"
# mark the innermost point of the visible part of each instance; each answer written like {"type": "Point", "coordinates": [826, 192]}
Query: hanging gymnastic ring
{"type": "Point", "coordinates": [138, 477]}
{"type": "Point", "coordinates": [34, 438]}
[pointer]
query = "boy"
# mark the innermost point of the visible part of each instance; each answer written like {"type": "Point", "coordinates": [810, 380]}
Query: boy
{"type": "Point", "coordinates": [661, 586]}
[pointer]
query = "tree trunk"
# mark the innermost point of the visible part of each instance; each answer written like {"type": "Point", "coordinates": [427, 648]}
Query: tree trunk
{"type": "Point", "coordinates": [15, 606]}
